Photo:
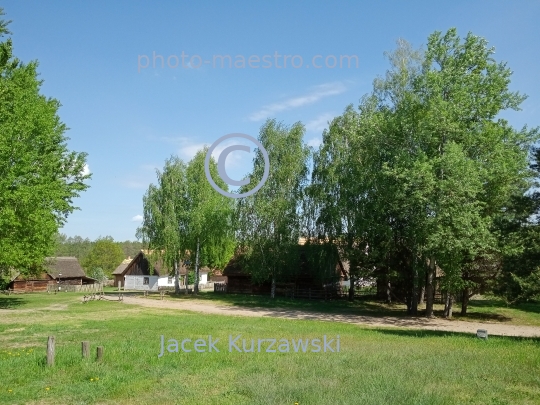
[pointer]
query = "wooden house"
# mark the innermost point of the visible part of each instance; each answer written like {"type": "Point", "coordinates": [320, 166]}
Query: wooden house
{"type": "Point", "coordinates": [140, 274]}
{"type": "Point", "coordinates": [57, 271]}
{"type": "Point", "coordinates": [319, 270]}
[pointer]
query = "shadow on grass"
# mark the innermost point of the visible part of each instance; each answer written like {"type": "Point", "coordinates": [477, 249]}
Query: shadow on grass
{"type": "Point", "coordinates": [483, 316]}
{"type": "Point", "coordinates": [425, 333]}
{"type": "Point", "coordinates": [500, 303]}
{"type": "Point", "coordinates": [337, 306]}
{"type": "Point", "coordinates": [479, 309]}
{"type": "Point", "coordinates": [11, 302]}
{"type": "Point", "coordinates": [528, 307]}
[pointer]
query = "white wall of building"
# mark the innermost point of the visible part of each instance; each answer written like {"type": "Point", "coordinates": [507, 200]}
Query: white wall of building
{"type": "Point", "coordinates": [166, 282]}
{"type": "Point", "coordinates": [149, 283]}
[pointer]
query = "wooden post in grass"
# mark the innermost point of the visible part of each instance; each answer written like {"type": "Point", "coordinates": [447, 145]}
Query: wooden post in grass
{"type": "Point", "coordinates": [86, 348]}
{"type": "Point", "coordinates": [50, 351]}
{"type": "Point", "coordinates": [99, 356]}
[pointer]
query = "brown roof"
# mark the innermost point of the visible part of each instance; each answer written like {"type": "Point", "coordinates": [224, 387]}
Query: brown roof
{"type": "Point", "coordinates": [233, 267]}
{"type": "Point", "coordinates": [159, 269]}
{"type": "Point", "coordinates": [68, 267]}
{"type": "Point", "coordinates": [144, 266]}
{"type": "Point", "coordinates": [120, 269]}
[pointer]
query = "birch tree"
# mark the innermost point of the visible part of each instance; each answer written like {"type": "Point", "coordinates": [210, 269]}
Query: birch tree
{"type": "Point", "coordinates": [164, 210]}
{"type": "Point", "coordinates": [186, 220]}
{"type": "Point", "coordinates": [269, 221]}
{"type": "Point", "coordinates": [208, 220]}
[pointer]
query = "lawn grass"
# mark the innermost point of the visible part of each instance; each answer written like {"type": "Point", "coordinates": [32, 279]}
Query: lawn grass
{"type": "Point", "coordinates": [374, 366]}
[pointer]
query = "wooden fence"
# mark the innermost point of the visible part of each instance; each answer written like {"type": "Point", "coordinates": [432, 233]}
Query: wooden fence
{"type": "Point", "coordinates": [97, 287]}
{"type": "Point", "coordinates": [220, 287]}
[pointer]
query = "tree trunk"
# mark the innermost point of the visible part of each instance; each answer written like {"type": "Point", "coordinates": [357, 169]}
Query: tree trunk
{"type": "Point", "coordinates": [422, 293]}
{"type": "Point", "coordinates": [273, 289]}
{"type": "Point", "coordinates": [414, 291]}
{"type": "Point", "coordinates": [388, 293]}
{"type": "Point", "coordinates": [465, 301]}
{"type": "Point", "coordinates": [351, 287]}
{"type": "Point", "coordinates": [176, 282]}
{"type": "Point", "coordinates": [430, 291]}
{"type": "Point", "coordinates": [196, 286]}
{"type": "Point", "coordinates": [448, 305]}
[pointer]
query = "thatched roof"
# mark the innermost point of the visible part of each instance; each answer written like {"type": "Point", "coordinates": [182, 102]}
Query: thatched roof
{"type": "Point", "coordinates": [68, 267]}
{"type": "Point", "coordinates": [120, 269]}
{"type": "Point", "coordinates": [144, 266]}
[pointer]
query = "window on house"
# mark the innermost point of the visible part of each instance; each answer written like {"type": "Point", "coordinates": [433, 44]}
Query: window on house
{"type": "Point", "coordinates": [146, 280]}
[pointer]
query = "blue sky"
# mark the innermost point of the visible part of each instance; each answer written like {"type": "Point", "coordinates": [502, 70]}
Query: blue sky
{"type": "Point", "coordinates": [129, 119]}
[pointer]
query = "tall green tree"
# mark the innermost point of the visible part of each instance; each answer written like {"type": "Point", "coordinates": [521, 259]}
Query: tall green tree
{"type": "Point", "coordinates": [39, 175]}
{"type": "Point", "coordinates": [164, 209]}
{"type": "Point", "coordinates": [208, 223]}
{"type": "Point", "coordinates": [269, 221]}
{"type": "Point", "coordinates": [185, 220]}
{"type": "Point", "coordinates": [339, 191]}
{"type": "Point", "coordinates": [519, 228]}
{"type": "Point", "coordinates": [427, 164]}
{"type": "Point", "coordinates": [480, 161]}
{"type": "Point", "coordinates": [105, 254]}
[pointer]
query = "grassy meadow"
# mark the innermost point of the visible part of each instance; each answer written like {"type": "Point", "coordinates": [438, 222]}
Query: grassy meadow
{"type": "Point", "coordinates": [374, 366]}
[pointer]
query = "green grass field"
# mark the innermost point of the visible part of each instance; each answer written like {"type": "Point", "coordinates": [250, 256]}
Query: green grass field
{"type": "Point", "coordinates": [373, 366]}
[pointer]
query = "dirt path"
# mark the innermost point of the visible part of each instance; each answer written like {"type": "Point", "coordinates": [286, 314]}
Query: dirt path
{"type": "Point", "coordinates": [387, 321]}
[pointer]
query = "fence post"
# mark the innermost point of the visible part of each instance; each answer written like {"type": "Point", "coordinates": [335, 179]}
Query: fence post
{"type": "Point", "coordinates": [85, 348]}
{"type": "Point", "coordinates": [50, 351]}
{"type": "Point", "coordinates": [99, 356]}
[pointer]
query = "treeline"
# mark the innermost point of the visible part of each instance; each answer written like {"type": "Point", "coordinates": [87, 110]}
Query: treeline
{"type": "Point", "coordinates": [104, 253]}
{"type": "Point", "coordinates": [423, 181]}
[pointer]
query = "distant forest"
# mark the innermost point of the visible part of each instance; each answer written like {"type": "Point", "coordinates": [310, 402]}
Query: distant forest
{"type": "Point", "coordinates": [80, 247]}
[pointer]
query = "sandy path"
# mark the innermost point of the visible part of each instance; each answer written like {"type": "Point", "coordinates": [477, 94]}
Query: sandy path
{"type": "Point", "coordinates": [436, 324]}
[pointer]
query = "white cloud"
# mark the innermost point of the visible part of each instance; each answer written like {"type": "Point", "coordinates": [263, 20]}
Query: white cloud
{"type": "Point", "coordinates": [137, 218]}
{"type": "Point", "coordinates": [86, 170]}
{"type": "Point", "coordinates": [320, 123]}
{"type": "Point", "coordinates": [318, 93]}
{"type": "Point", "coordinates": [188, 149]}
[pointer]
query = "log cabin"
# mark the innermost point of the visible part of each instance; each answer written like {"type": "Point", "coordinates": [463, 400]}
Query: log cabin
{"type": "Point", "coordinates": [56, 271]}
{"type": "Point", "coordinates": [319, 271]}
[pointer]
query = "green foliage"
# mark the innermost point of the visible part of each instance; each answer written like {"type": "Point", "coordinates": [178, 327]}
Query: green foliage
{"type": "Point", "coordinates": [519, 231]}
{"type": "Point", "coordinates": [183, 210]}
{"type": "Point", "coordinates": [208, 222]}
{"type": "Point", "coordinates": [105, 254]}
{"type": "Point", "coordinates": [39, 175]}
{"type": "Point", "coordinates": [424, 168]}
{"type": "Point", "coordinates": [131, 248]}
{"type": "Point", "coordinates": [163, 209]}
{"type": "Point", "coordinates": [191, 277]}
{"type": "Point", "coordinates": [269, 221]}
{"type": "Point", "coordinates": [97, 273]}
{"type": "Point", "coordinates": [73, 246]}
